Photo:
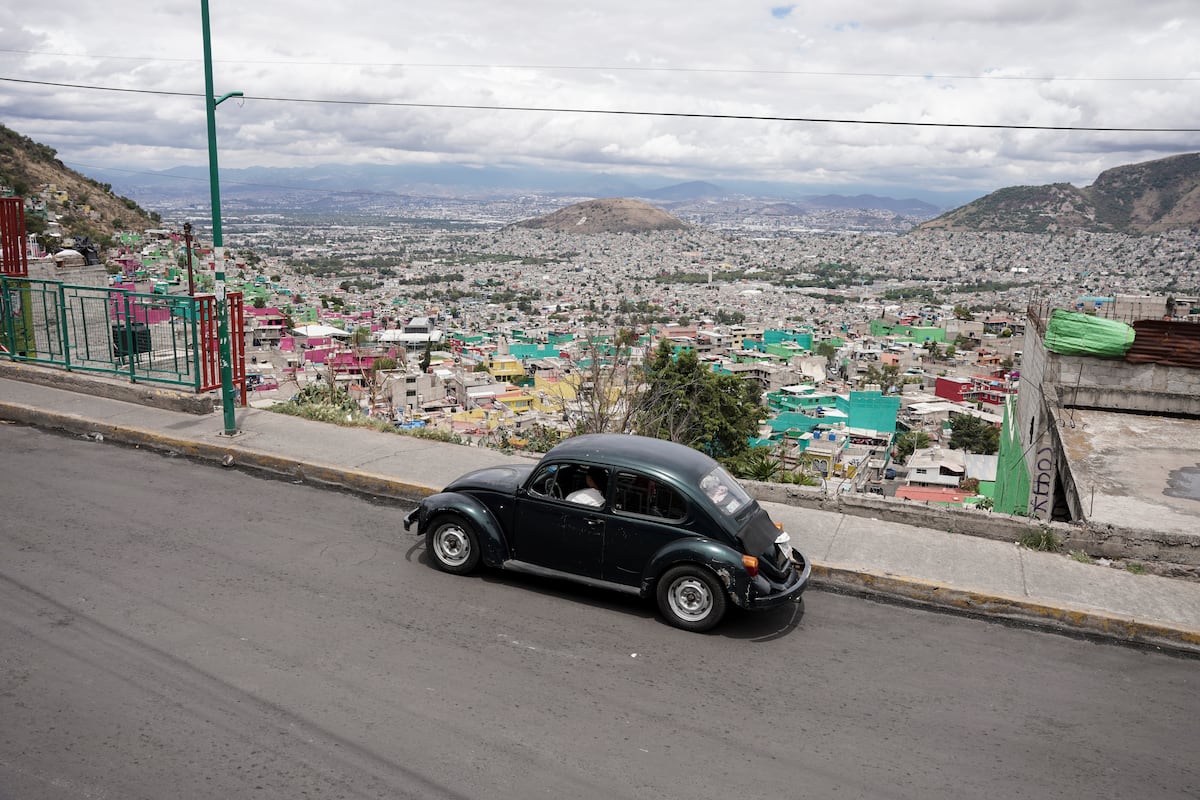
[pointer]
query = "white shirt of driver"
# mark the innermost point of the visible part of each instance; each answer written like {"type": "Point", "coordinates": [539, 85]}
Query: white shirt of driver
{"type": "Point", "coordinates": [587, 497]}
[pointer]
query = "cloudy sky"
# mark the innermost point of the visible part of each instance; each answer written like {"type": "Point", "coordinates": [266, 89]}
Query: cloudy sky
{"type": "Point", "coordinates": [711, 89]}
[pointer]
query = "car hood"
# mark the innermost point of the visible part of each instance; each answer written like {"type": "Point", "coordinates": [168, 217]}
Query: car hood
{"type": "Point", "coordinates": [504, 479]}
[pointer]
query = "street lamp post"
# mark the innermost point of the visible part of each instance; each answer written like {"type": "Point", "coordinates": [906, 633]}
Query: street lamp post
{"type": "Point", "coordinates": [223, 344]}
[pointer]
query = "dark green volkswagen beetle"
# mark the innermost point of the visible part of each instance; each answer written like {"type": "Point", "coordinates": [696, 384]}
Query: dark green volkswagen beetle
{"type": "Point", "coordinates": [638, 515]}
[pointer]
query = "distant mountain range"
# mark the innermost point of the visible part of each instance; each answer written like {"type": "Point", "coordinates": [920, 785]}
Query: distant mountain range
{"type": "Point", "coordinates": [1149, 197]}
{"type": "Point", "coordinates": [365, 184]}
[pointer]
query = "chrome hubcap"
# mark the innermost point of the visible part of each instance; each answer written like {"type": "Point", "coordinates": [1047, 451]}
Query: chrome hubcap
{"type": "Point", "coordinates": [452, 545]}
{"type": "Point", "coordinates": [690, 599]}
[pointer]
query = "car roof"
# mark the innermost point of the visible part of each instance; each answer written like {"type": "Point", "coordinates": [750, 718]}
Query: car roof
{"type": "Point", "coordinates": [627, 450]}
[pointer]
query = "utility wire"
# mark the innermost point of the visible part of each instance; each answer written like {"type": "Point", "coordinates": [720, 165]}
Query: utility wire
{"type": "Point", "coordinates": [621, 68]}
{"type": "Point", "coordinates": [617, 112]}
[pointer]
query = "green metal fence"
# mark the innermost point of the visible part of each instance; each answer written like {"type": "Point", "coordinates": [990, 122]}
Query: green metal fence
{"type": "Point", "coordinates": [145, 337]}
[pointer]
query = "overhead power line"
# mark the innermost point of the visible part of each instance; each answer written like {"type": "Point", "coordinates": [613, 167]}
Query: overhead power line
{"type": "Point", "coordinates": [618, 112]}
{"type": "Point", "coordinates": [622, 68]}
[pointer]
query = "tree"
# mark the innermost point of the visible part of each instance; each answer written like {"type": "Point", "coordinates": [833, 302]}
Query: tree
{"type": "Point", "coordinates": [908, 443]}
{"type": "Point", "coordinates": [974, 435]}
{"type": "Point", "coordinates": [609, 387]}
{"type": "Point", "coordinates": [686, 402]}
{"type": "Point", "coordinates": [888, 377]}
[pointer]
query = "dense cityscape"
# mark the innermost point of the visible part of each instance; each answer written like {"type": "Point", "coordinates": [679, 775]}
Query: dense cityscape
{"type": "Point", "coordinates": [867, 349]}
{"type": "Point", "coordinates": [493, 326]}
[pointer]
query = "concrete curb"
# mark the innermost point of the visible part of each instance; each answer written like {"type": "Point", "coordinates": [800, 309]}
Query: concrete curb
{"type": "Point", "coordinates": [861, 582]}
{"type": "Point", "coordinates": [1086, 622]}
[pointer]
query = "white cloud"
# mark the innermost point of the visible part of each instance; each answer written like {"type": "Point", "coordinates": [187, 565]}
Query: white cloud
{"type": "Point", "coordinates": [1022, 62]}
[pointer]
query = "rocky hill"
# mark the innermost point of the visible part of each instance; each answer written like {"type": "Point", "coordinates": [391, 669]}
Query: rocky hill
{"type": "Point", "coordinates": [1150, 197]}
{"type": "Point", "coordinates": [610, 215]}
{"type": "Point", "coordinates": [82, 206]}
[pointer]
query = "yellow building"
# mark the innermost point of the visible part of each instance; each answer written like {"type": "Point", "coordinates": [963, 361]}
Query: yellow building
{"type": "Point", "coordinates": [518, 401]}
{"type": "Point", "coordinates": [505, 368]}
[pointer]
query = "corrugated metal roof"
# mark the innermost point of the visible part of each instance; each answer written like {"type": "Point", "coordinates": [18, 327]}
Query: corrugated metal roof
{"type": "Point", "coordinates": [1172, 344]}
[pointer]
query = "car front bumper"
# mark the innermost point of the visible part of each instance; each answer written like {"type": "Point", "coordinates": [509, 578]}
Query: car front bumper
{"type": "Point", "coordinates": [412, 517]}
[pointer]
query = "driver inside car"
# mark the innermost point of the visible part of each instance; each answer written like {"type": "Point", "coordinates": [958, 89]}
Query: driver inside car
{"type": "Point", "coordinates": [592, 494]}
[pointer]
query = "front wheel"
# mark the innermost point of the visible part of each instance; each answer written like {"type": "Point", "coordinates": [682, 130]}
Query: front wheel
{"type": "Point", "coordinates": [691, 598]}
{"type": "Point", "coordinates": [453, 545]}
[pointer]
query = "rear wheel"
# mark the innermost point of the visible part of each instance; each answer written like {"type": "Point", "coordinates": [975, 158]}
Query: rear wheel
{"type": "Point", "coordinates": [453, 545]}
{"type": "Point", "coordinates": [691, 598]}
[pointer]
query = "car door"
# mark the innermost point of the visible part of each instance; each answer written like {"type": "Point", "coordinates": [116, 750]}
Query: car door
{"type": "Point", "coordinates": [552, 532]}
{"type": "Point", "coordinates": [647, 514]}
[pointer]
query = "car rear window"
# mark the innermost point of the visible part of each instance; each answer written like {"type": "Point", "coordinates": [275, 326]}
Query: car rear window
{"type": "Point", "coordinates": [724, 492]}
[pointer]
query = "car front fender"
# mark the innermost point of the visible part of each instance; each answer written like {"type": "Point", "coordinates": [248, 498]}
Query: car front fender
{"type": "Point", "coordinates": [493, 543]}
{"type": "Point", "coordinates": [722, 560]}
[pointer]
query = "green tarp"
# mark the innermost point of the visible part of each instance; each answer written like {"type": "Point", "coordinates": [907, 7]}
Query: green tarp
{"type": "Point", "coordinates": [1071, 333]}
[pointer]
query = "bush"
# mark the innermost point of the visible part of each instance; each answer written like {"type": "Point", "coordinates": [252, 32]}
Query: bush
{"type": "Point", "coordinates": [1041, 539]}
{"type": "Point", "coordinates": [756, 465]}
{"type": "Point", "coordinates": [798, 478]}
{"type": "Point", "coordinates": [321, 394]}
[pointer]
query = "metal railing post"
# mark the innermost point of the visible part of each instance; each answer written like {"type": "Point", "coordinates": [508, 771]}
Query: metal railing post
{"type": "Point", "coordinates": [64, 333]}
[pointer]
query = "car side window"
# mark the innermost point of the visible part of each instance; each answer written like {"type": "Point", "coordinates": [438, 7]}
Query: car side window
{"type": "Point", "coordinates": [577, 483]}
{"type": "Point", "coordinates": [545, 482]}
{"type": "Point", "coordinates": [645, 496]}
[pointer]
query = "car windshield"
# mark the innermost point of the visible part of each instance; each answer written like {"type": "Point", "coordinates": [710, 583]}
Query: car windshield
{"type": "Point", "coordinates": [724, 492]}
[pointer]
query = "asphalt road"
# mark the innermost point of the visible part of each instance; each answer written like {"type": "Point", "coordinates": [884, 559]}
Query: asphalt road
{"type": "Point", "coordinates": [169, 629]}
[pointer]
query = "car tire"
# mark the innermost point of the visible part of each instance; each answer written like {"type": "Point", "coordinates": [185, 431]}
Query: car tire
{"type": "Point", "coordinates": [691, 598]}
{"type": "Point", "coordinates": [453, 544]}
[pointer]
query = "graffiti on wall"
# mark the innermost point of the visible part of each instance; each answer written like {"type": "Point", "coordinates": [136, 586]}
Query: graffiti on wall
{"type": "Point", "coordinates": [1041, 500]}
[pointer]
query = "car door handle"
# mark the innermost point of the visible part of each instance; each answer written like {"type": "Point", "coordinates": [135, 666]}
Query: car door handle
{"type": "Point", "coordinates": [594, 523]}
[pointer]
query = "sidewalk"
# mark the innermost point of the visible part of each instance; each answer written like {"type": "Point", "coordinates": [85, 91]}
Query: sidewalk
{"type": "Point", "coordinates": [952, 572]}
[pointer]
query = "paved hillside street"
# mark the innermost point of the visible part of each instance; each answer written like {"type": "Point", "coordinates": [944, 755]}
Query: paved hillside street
{"type": "Point", "coordinates": [170, 629]}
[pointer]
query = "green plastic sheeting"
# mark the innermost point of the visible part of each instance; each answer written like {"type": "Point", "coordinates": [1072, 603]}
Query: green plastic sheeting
{"type": "Point", "coordinates": [1073, 334]}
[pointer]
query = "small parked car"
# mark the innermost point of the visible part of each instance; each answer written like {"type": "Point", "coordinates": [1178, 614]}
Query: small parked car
{"type": "Point", "coordinates": [638, 515]}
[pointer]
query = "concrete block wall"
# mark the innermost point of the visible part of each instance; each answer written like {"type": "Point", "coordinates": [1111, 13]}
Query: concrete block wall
{"type": "Point", "coordinates": [112, 388]}
{"type": "Point", "coordinates": [1177, 553]}
{"type": "Point", "coordinates": [1120, 386]}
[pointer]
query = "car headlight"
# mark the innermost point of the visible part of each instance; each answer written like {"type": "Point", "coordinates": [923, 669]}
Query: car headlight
{"type": "Point", "coordinates": [784, 542]}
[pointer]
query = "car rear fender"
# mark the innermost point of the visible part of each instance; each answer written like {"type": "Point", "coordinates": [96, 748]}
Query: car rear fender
{"type": "Point", "coordinates": [492, 542]}
{"type": "Point", "coordinates": [721, 560]}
